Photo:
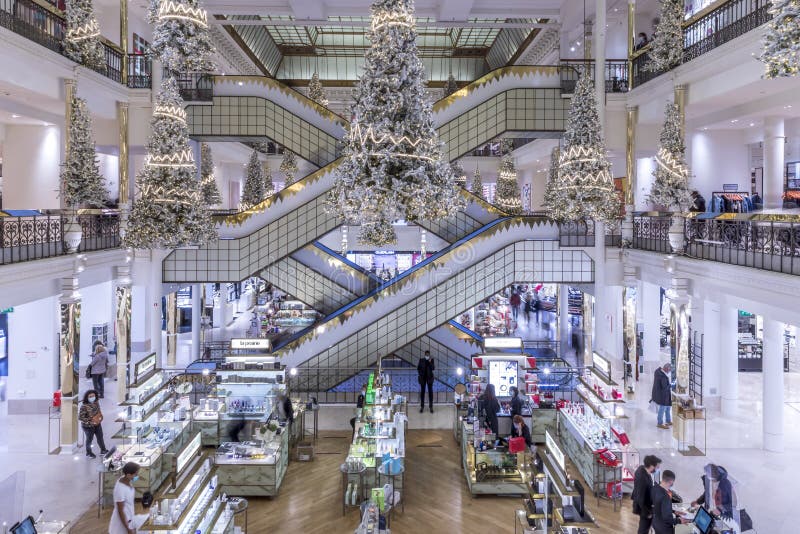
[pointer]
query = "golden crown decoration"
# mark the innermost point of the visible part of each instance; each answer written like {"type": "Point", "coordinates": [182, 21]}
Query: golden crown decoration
{"type": "Point", "coordinates": [174, 11]}
{"type": "Point", "coordinates": [184, 158]}
{"type": "Point", "coordinates": [171, 111]}
{"type": "Point", "coordinates": [393, 18]}
{"type": "Point", "coordinates": [164, 195]}
{"type": "Point", "coordinates": [667, 161]}
{"type": "Point", "coordinates": [81, 33]}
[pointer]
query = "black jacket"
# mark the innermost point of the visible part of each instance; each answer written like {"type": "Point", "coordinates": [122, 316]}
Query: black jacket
{"type": "Point", "coordinates": [662, 392]}
{"type": "Point", "coordinates": [360, 401]}
{"type": "Point", "coordinates": [723, 496]}
{"type": "Point", "coordinates": [664, 520]}
{"type": "Point", "coordinates": [425, 370]}
{"type": "Point", "coordinates": [491, 408]}
{"type": "Point", "coordinates": [526, 434]}
{"type": "Point", "coordinates": [641, 495]}
{"type": "Point", "coordinates": [516, 406]}
{"type": "Point", "coordinates": [287, 407]}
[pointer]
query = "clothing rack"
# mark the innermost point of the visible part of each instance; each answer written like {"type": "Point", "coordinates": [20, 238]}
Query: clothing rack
{"type": "Point", "coordinates": [743, 204]}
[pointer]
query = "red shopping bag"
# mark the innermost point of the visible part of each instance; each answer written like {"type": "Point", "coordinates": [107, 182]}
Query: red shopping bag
{"type": "Point", "coordinates": [516, 445]}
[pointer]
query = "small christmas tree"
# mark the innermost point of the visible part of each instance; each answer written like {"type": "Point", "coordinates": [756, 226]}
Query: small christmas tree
{"type": "Point", "coordinates": [169, 211]}
{"type": "Point", "coordinates": [253, 192]}
{"type": "Point", "coordinates": [585, 188]}
{"type": "Point", "coordinates": [392, 165]}
{"type": "Point", "coordinates": [551, 188]}
{"type": "Point", "coordinates": [667, 50]}
{"type": "Point", "coordinates": [781, 43]}
{"type": "Point", "coordinates": [316, 92]}
{"type": "Point", "coordinates": [671, 185]}
{"type": "Point", "coordinates": [477, 185]}
{"type": "Point", "coordinates": [506, 196]}
{"type": "Point", "coordinates": [288, 167]}
{"type": "Point", "coordinates": [460, 176]}
{"type": "Point", "coordinates": [452, 85]}
{"type": "Point", "coordinates": [181, 40]}
{"type": "Point", "coordinates": [208, 184]}
{"type": "Point", "coordinates": [81, 182]}
{"type": "Point", "coordinates": [269, 185]}
{"type": "Point", "coordinates": [82, 43]}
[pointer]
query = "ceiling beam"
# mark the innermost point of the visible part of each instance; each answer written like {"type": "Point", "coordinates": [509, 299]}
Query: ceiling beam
{"type": "Point", "coordinates": [364, 24]}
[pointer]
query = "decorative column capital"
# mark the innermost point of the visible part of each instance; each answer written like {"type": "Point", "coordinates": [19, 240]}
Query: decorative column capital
{"type": "Point", "coordinates": [122, 274]}
{"type": "Point", "coordinates": [630, 275]}
{"type": "Point", "coordinates": [69, 290]}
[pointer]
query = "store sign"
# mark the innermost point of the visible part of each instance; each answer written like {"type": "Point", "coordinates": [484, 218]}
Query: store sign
{"type": "Point", "coordinates": [601, 364]}
{"type": "Point", "coordinates": [384, 252]}
{"type": "Point", "coordinates": [259, 343]}
{"type": "Point", "coordinates": [185, 456]}
{"type": "Point", "coordinates": [502, 343]}
{"type": "Point", "coordinates": [555, 451]}
{"type": "Point", "coordinates": [144, 366]}
{"type": "Point", "coordinates": [8, 310]}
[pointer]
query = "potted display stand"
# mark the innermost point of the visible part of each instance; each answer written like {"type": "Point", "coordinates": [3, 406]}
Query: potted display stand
{"type": "Point", "coordinates": [73, 232]}
{"type": "Point", "coordinates": [676, 233]}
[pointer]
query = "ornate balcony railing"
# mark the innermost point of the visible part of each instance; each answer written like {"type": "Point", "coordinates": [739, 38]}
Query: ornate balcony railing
{"type": "Point", "coordinates": [706, 31]}
{"type": "Point", "coordinates": [140, 71]}
{"type": "Point", "coordinates": [616, 74]}
{"type": "Point", "coordinates": [576, 234]}
{"type": "Point", "coordinates": [34, 237]}
{"type": "Point", "coordinates": [761, 241]}
{"type": "Point", "coordinates": [195, 87]}
{"type": "Point", "coordinates": [44, 24]}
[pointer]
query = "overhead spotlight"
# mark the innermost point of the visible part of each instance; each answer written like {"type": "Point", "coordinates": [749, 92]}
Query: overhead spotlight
{"type": "Point", "coordinates": [788, 106]}
{"type": "Point", "coordinates": [705, 128]}
{"type": "Point", "coordinates": [577, 43]}
{"type": "Point", "coordinates": [571, 48]}
{"type": "Point", "coordinates": [293, 371]}
{"type": "Point", "coordinates": [14, 116]}
{"type": "Point", "coordinates": [241, 83]}
{"type": "Point", "coordinates": [459, 371]}
{"type": "Point", "coordinates": [206, 371]}
{"type": "Point", "coordinates": [734, 121]}
{"type": "Point", "coordinates": [752, 124]}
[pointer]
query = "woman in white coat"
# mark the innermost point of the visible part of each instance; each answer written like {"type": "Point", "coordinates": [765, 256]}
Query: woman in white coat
{"type": "Point", "coordinates": [123, 520]}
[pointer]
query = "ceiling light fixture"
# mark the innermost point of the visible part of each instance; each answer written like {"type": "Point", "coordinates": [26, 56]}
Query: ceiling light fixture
{"type": "Point", "coordinates": [752, 124]}
{"type": "Point", "coordinates": [734, 121]}
{"type": "Point", "coordinates": [571, 48]}
{"type": "Point", "coordinates": [14, 116]}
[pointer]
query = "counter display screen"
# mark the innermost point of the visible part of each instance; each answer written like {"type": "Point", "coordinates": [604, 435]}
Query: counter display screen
{"type": "Point", "coordinates": [503, 375]}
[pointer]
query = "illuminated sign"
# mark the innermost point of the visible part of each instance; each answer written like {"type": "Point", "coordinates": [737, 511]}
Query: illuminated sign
{"type": "Point", "coordinates": [188, 453]}
{"type": "Point", "coordinates": [555, 451]}
{"type": "Point", "coordinates": [144, 366]}
{"type": "Point", "coordinates": [502, 343]}
{"type": "Point", "coordinates": [258, 343]}
{"type": "Point", "coordinates": [601, 364]}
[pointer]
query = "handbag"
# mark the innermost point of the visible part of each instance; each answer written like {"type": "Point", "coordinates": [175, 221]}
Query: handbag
{"type": "Point", "coordinates": [89, 371]}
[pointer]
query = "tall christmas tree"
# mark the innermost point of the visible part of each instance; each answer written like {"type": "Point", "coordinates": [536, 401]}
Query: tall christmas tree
{"type": "Point", "coordinates": [459, 174]}
{"type": "Point", "coordinates": [781, 44]}
{"type": "Point", "coordinates": [477, 184]}
{"type": "Point", "coordinates": [269, 185]}
{"type": "Point", "coordinates": [393, 165]}
{"type": "Point", "coordinates": [506, 195]}
{"type": "Point", "coordinates": [169, 211]}
{"type": "Point", "coordinates": [551, 188]}
{"type": "Point", "coordinates": [288, 167]}
{"type": "Point", "coordinates": [181, 39]}
{"type": "Point", "coordinates": [81, 182]}
{"type": "Point", "coordinates": [452, 85]}
{"type": "Point", "coordinates": [316, 92]}
{"type": "Point", "coordinates": [82, 43]}
{"type": "Point", "coordinates": [253, 192]}
{"type": "Point", "coordinates": [671, 185]}
{"type": "Point", "coordinates": [667, 50]}
{"type": "Point", "coordinates": [585, 186]}
{"type": "Point", "coordinates": [208, 184]}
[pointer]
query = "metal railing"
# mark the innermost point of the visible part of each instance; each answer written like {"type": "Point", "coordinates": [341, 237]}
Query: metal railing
{"type": "Point", "coordinates": [650, 232]}
{"type": "Point", "coordinates": [194, 87]}
{"type": "Point", "coordinates": [576, 234]}
{"type": "Point", "coordinates": [616, 74]}
{"type": "Point", "coordinates": [47, 27]}
{"type": "Point", "coordinates": [708, 31]}
{"type": "Point", "coordinates": [140, 71]}
{"type": "Point", "coordinates": [35, 237]}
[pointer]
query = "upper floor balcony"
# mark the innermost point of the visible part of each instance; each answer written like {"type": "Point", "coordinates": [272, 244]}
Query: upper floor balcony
{"type": "Point", "coordinates": [45, 24]}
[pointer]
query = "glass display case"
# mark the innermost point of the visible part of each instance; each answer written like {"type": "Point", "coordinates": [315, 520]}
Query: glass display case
{"type": "Point", "coordinates": [599, 392]}
{"type": "Point", "coordinates": [256, 467]}
{"type": "Point", "coordinates": [488, 470]}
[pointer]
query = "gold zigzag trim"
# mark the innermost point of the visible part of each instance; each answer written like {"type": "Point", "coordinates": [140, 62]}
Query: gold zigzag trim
{"type": "Point", "coordinates": [87, 31]}
{"type": "Point", "coordinates": [184, 158]}
{"type": "Point", "coordinates": [667, 161]}
{"type": "Point", "coordinates": [174, 10]}
{"type": "Point", "coordinates": [530, 222]}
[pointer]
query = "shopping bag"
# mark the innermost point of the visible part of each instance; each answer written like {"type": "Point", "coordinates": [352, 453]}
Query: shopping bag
{"type": "Point", "coordinates": [516, 445]}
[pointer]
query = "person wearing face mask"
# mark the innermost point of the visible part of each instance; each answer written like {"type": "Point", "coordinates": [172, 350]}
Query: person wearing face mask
{"type": "Point", "coordinates": [425, 370]}
{"type": "Point", "coordinates": [664, 519]}
{"type": "Point", "coordinates": [99, 366]}
{"type": "Point", "coordinates": [123, 520]}
{"type": "Point", "coordinates": [520, 430]}
{"type": "Point", "coordinates": [516, 401]}
{"type": "Point", "coordinates": [641, 495]}
{"type": "Point", "coordinates": [91, 418]}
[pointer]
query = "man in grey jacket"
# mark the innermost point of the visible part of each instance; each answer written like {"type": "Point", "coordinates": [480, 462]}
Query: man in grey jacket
{"type": "Point", "coordinates": [99, 365]}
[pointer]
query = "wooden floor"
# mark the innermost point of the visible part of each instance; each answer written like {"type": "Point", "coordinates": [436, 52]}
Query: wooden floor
{"type": "Point", "coordinates": [437, 499]}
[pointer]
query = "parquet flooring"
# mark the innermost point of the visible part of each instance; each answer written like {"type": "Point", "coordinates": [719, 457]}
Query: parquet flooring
{"type": "Point", "coordinates": [437, 500]}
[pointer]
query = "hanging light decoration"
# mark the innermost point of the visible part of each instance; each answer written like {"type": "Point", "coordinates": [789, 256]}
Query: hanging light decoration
{"type": "Point", "coordinates": [459, 174]}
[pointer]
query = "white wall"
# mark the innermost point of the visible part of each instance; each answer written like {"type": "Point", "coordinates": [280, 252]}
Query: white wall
{"type": "Point", "coordinates": [716, 158]}
{"type": "Point", "coordinates": [109, 169]}
{"type": "Point", "coordinates": [95, 309]}
{"type": "Point", "coordinates": [31, 167]}
{"type": "Point", "coordinates": [33, 354]}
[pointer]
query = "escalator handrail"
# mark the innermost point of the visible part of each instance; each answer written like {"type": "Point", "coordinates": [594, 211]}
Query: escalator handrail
{"type": "Point", "coordinates": [471, 333]}
{"type": "Point", "coordinates": [421, 265]}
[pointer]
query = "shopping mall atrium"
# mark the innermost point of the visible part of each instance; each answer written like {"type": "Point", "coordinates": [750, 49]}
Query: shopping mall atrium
{"type": "Point", "coordinates": [386, 266]}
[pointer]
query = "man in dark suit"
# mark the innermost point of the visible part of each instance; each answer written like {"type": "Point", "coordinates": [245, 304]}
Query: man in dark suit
{"type": "Point", "coordinates": [662, 395]}
{"type": "Point", "coordinates": [425, 370]}
{"type": "Point", "coordinates": [641, 495]}
{"type": "Point", "coordinates": [664, 519]}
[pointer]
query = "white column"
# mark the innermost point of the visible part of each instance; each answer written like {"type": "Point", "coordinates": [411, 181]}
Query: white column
{"type": "Point", "coordinates": [711, 351]}
{"type": "Point", "coordinates": [729, 358]}
{"type": "Point", "coordinates": [651, 322]}
{"type": "Point", "coordinates": [600, 60]}
{"type": "Point", "coordinates": [154, 298]}
{"type": "Point", "coordinates": [772, 376]}
{"type": "Point", "coordinates": [774, 140]}
{"type": "Point", "coordinates": [197, 311]}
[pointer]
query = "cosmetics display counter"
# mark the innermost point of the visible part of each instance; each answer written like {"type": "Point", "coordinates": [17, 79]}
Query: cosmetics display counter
{"type": "Point", "coordinates": [488, 470]}
{"type": "Point", "coordinates": [599, 392]}
{"type": "Point", "coordinates": [254, 468]}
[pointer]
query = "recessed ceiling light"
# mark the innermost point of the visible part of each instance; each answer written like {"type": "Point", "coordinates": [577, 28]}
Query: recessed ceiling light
{"type": "Point", "coordinates": [241, 83]}
{"type": "Point", "coordinates": [734, 121]}
{"type": "Point", "coordinates": [705, 128]}
{"type": "Point", "coordinates": [14, 116]}
{"type": "Point", "coordinates": [789, 106]}
{"type": "Point", "coordinates": [571, 48]}
{"type": "Point", "coordinates": [752, 124]}
{"type": "Point", "coordinates": [578, 43]}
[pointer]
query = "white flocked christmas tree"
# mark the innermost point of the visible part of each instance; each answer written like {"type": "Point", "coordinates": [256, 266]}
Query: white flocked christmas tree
{"type": "Point", "coordinates": [667, 49]}
{"type": "Point", "coordinates": [671, 185]}
{"type": "Point", "coordinates": [393, 164]}
{"type": "Point", "coordinates": [585, 187]}
{"type": "Point", "coordinates": [459, 174]}
{"type": "Point", "coordinates": [781, 43]}
{"type": "Point", "coordinates": [551, 188]}
{"type": "Point", "coordinates": [288, 167]}
{"type": "Point", "coordinates": [168, 211]}
{"type": "Point", "coordinates": [477, 184]}
{"type": "Point", "coordinates": [208, 184]}
{"type": "Point", "coordinates": [82, 43]}
{"type": "Point", "coordinates": [181, 39]}
{"type": "Point", "coordinates": [452, 85]}
{"type": "Point", "coordinates": [253, 191]}
{"type": "Point", "coordinates": [316, 91]}
{"type": "Point", "coordinates": [269, 185]}
{"type": "Point", "coordinates": [82, 185]}
{"type": "Point", "coordinates": [506, 195]}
